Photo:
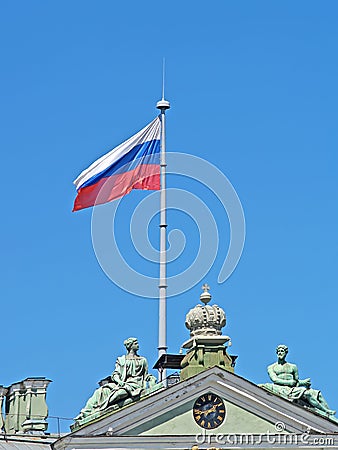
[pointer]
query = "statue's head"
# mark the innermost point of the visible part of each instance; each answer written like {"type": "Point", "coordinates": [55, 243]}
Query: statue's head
{"type": "Point", "coordinates": [282, 350]}
{"type": "Point", "coordinates": [130, 343]}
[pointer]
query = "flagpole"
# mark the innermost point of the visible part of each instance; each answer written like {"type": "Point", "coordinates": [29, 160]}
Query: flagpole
{"type": "Point", "coordinates": [163, 105]}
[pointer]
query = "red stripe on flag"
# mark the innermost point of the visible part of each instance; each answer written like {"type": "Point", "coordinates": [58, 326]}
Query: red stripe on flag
{"type": "Point", "coordinates": [146, 176]}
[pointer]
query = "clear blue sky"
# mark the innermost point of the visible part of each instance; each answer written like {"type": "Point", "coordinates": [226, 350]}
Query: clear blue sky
{"type": "Point", "coordinates": [253, 89]}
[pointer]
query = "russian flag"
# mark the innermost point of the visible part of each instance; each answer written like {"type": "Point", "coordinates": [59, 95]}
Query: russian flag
{"type": "Point", "coordinates": [134, 164]}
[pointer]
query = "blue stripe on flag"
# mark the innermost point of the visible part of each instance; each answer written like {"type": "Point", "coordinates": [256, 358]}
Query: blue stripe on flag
{"type": "Point", "coordinates": [145, 153]}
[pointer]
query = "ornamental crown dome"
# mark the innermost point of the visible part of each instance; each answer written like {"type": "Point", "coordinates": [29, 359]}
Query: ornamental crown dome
{"type": "Point", "coordinates": [205, 320]}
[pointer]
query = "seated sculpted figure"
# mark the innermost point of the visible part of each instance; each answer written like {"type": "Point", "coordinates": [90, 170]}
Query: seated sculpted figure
{"type": "Point", "coordinates": [129, 378]}
{"type": "Point", "coordinates": [286, 383]}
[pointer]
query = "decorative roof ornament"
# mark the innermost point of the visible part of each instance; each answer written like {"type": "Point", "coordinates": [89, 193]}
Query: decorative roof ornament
{"type": "Point", "coordinates": [205, 297]}
{"type": "Point", "coordinates": [206, 320]}
{"type": "Point", "coordinates": [207, 346]}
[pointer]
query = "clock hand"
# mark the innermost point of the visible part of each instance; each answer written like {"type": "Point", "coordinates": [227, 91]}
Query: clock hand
{"type": "Point", "coordinates": [207, 411]}
{"type": "Point", "coordinates": [204, 413]}
{"type": "Point", "coordinates": [210, 410]}
{"type": "Point", "coordinates": [213, 409]}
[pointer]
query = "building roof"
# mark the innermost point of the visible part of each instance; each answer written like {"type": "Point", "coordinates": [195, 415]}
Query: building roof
{"type": "Point", "coordinates": [165, 420]}
{"type": "Point", "coordinates": [20, 442]}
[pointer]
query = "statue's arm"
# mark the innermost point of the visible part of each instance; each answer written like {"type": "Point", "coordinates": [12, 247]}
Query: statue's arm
{"type": "Point", "coordinates": [302, 383]}
{"type": "Point", "coordinates": [148, 377]}
{"type": "Point", "coordinates": [295, 374]}
{"type": "Point", "coordinates": [145, 367]}
{"type": "Point", "coordinates": [116, 376]}
{"type": "Point", "coordinates": [280, 381]}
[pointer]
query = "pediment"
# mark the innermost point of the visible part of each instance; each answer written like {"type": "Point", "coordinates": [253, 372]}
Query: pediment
{"type": "Point", "coordinates": [249, 409]}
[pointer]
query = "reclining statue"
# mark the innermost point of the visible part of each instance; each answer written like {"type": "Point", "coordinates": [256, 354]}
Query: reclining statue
{"type": "Point", "coordinates": [128, 380]}
{"type": "Point", "coordinates": [286, 383]}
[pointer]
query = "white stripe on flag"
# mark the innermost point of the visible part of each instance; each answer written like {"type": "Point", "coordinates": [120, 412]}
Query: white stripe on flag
{"type": "Point", "coordinates": [151, 132]}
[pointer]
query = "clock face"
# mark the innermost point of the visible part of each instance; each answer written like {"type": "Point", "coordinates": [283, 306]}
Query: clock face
{"type": "Point", "coordinates": [209, 411]}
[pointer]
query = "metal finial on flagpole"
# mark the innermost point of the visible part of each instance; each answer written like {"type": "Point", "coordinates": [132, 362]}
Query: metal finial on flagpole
{"type": "Point", "coordinates": [163, 105]}
{"type": "Point", "coordinates": [163, 77]}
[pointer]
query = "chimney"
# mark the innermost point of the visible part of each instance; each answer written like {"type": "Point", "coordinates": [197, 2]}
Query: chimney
{"type": "Point", "coordinates": [3, 392]}
{"type": "Point", "coordinates": [26, 408]}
